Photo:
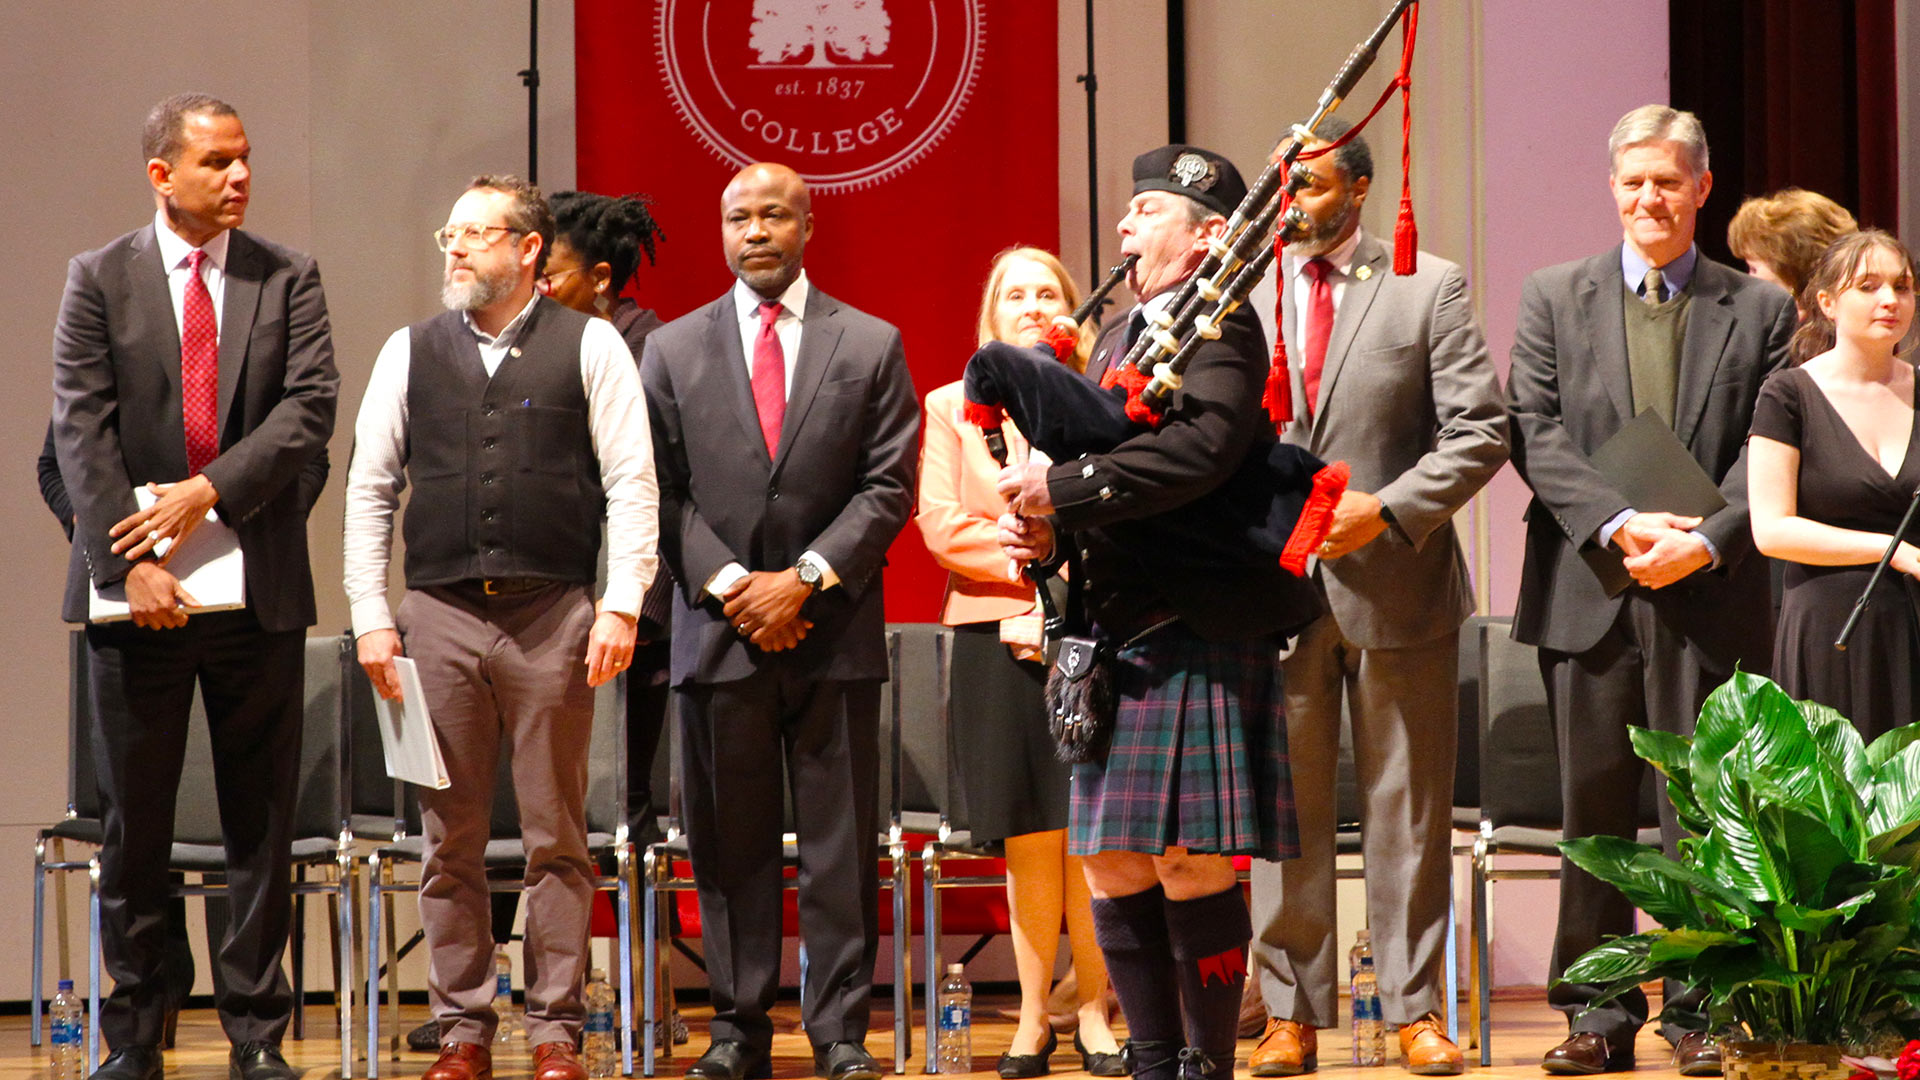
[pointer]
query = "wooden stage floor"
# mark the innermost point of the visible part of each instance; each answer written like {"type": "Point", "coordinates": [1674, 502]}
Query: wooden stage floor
{"type": "Point", "coordinates": [1523, 1029]}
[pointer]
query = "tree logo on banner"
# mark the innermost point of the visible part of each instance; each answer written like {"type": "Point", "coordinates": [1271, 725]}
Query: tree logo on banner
{"type": "Point", "coordinates": [848, 92]}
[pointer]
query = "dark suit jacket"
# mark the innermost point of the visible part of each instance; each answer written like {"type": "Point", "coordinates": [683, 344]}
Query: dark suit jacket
{"type": "Point", "coordinates": [117, 421]}
{"type": "Point", "coordinates": [1569, 390]}
{"type": "Point", "coordinates": [842, 484]}
{"type": "Point", "coordinates": [1409, 400]}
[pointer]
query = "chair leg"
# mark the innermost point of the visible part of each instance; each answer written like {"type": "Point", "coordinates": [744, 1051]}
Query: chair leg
{"type": "Point", "coordinates": [1482, 954]}
{"type": "Point", "coordinates": [297, 945]}
{"type": "Point", "coordinates": [60, 901]}
{"type": "Point", "coordinates": [93, 963]}
{"type": "Point", "coordinates": [39, 937]}
{"type": "Point", "coordinates": [624, 917]}
{"type": "Point", "coordinates": [649, 964]}
{"type": "Point", "coordinates": [374, 912]}
{"type": "Point", "coordinates": [1453, 968]}
{"type": "Point", "coordinates": [930, 932]}
{"type": "Point", "coordinates": [393, 971]}
{"type": "Point", "coordinates": [902, 962]}
{"type": "Point", "coordinates": [341, 900]}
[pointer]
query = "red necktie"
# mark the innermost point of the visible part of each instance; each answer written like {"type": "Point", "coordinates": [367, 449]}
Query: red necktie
{"type": "Point", "coordinates": [1319, 329]}
{"type": "Point", "coordinates": [199, 369]}
{"type": "Point", "coordinates": [769, 377]}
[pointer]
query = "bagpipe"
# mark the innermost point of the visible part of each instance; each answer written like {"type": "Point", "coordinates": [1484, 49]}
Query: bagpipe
{"type": "Point", "coordinates": [1278, 503]}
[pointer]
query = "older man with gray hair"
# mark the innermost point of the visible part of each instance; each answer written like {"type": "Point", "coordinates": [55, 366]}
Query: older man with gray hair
{"type": "Point", "coordinates": [1650, 325]}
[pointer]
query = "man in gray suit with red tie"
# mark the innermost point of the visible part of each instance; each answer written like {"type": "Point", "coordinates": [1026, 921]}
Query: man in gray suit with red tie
{"type": "Point", "coordinates": [1650, 325]}
{"type": "Point", "coordinates": [785, 431]}
{"type": "Point", "coordinates": [1392, 376]}
{"type": "Point", "coordinates": [197, 359]}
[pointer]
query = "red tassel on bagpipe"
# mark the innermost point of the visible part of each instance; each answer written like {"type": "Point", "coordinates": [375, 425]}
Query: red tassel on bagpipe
{"type": "Point", "coordinates": [1278, 396]}
{"type": "Point", "coordinates": [983, 416]}
{"type": "Point", "coordinates": [1406, 235]}
{"type": "Point", "coordinates": [1062, 338]}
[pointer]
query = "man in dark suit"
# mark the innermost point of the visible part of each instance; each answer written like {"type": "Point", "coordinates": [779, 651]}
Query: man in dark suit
{"type": "Point", "coordinates": [785, 429]}
{"type": "Point", "coordinates": [1393, 378]}
{"type": "Point", "coordinates": [195, 358]}
{"type": "Point", "coordinates": [1652, 324]}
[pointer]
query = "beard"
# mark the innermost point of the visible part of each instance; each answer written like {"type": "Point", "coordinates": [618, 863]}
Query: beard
{"type": "Point", "coordinates": [484, 290]}
{"type": "Point", "coordinates": [1323, 235]}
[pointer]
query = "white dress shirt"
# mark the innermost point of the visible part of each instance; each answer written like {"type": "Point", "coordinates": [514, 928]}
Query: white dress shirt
{"type": "Point", "coordinates": [622, 442]}
{"type": "Point", "coordinates": [174, 253]}
{"type": "Point", "coordinates": [787, 327]}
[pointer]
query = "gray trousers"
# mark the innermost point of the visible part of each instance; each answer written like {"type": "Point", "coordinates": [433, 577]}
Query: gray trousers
{"type": "Point", "coordinates": [505, 673]}
{"type": "Point", "coordinates": [1404, 711]}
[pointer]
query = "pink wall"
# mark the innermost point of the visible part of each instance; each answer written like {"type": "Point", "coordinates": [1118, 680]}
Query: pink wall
{"type": "Point", "coordinates": [1556, 75]}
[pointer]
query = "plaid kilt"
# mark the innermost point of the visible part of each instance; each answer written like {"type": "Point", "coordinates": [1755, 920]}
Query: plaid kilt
{"type": "Point", "coordinates": [1199, 754]}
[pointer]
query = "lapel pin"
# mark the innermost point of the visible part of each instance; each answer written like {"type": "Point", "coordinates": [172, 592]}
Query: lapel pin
{"type": "Point", "coordinates": [515, 351]}
{"type": "Point", "coordinates": [1363, 273]}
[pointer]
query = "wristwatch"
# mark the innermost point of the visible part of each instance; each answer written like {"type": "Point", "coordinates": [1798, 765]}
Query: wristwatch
{"type": "Point", "coordinates": [809, 572]}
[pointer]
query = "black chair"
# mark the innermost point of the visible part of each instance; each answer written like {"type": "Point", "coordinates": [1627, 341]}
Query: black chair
{"type": "Point", "coordinates": [1520, 812]}
{"type": "Point", "coordinates": [321, 838]}
{"type": "Point", "coordinates": [665, 869]}
{"type": "Point", "coordinates": [81, 825]}
{"type": "Point", "coordinates": [607, 843]}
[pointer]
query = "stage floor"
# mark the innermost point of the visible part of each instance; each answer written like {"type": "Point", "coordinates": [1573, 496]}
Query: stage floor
{"type": "Point", "coordinates": [1523, 1029]}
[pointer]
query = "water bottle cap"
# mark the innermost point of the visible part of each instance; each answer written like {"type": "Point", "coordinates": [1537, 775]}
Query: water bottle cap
{"type": "Point", "coordinates": [65, 985]}
{"type": "Point", "coordinates": [956, 969]}
{"type": "Point", "coordinates": [1363, 935]}
{"type": "Point", "coordinates": [597, 975]}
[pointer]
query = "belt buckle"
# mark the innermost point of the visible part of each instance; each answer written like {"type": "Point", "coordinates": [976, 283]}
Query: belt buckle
{"type": "Point", "coordinates": [486, 586]}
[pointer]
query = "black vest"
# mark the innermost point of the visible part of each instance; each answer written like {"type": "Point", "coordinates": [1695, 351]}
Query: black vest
{"type": "Point", "coordinates": [505, 481]}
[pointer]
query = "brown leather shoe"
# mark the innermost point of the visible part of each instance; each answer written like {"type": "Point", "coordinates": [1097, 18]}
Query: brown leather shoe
{"type": "Point", "coordinates": [1585, 1053]}
{"type": "Point", "coordinates": [557, 1061]}
{"type": "Point", "coordinates": [1697, 1054]}
{"type": "Point", "coordinates": [1427, 1051]}
{"type": "Point", "coordinates": [461, 1061]}
{"type": "Point", "coordinates": [1287, 1048]}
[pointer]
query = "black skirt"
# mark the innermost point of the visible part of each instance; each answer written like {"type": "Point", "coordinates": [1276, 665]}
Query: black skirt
{"type": "Point", "coordinates": [1010, 780]}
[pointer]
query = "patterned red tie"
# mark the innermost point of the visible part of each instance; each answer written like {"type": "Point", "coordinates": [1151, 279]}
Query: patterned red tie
{"type": "Point", "coordinates": [199, 369]}
{"type": "Point", "coordinates": [1319, 328]}
{"type": "Point", "coordinates": [769, 377]}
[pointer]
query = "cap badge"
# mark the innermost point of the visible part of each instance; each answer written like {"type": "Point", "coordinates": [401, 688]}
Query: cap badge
{"type": "Point", "coordinates": [1192, 170]}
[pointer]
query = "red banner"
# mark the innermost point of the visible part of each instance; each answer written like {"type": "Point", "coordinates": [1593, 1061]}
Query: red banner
{"type": "Point", "coordinates": [927, 129]}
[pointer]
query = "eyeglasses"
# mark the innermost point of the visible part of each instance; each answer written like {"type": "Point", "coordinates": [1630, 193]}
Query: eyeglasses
{"type": "Point", "coordinates": [547, 281]}
{"type": "Point", "coordinates": [477, 237]}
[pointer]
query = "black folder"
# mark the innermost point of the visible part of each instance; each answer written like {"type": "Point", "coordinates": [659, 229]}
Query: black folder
{"type": "Point", "coordinates": [1646, 462]}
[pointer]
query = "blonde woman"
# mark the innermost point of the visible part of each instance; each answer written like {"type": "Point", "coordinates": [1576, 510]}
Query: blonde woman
{"type": "Point", "coordinates": [1016, 791]}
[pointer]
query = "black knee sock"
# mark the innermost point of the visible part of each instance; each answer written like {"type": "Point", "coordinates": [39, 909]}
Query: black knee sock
{"type": "Point", "coordinates": [1209, 937]}
{"type": "Point", "coordinates": [1132, 931]}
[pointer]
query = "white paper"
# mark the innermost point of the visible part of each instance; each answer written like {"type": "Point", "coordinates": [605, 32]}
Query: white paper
{"type": "Point", "coordinates": [406, 732]}
{"type": "Point", "coordinates": [208, 564]}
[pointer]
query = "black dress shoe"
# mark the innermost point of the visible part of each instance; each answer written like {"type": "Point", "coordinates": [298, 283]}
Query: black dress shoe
{"type": "Point", "coordinates": [1095, 1063]}
{"type": "Point", "coordinates": [732, 1059]}
{"type": "Point", "coordinates": [1024, 1066]}
{"type": "Point", "coordinates": [259, 1061]}
{"type": "Point", "coordinates": [1584, 1054]}
{"type": "Point", "coordinates": [425, 1038]}
{"type": "Point", "coordinates": [844, 1061]}
{"type": "Point", "coordinates": [1697, 1054]}
{"type": "Point", "coordinates": [130, 1063]}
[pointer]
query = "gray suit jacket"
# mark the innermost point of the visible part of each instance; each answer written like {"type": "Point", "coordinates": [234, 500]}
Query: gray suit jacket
{"type": "Point", "coordinates": [1569, 390]}
{"type": "Point", "coordinates": [841, 485]}
{"type": "Point", "coordinates": [117, 420]}
{"type": "Point", "coordinates": [1409, 399]}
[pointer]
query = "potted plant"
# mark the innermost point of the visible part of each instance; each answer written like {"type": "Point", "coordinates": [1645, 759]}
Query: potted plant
{"type": "Point", "coordinates": [1795, 902]}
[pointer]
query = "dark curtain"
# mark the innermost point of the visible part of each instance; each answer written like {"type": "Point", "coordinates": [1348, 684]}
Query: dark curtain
{"type": "Point", "coordinates": [1792, 94]}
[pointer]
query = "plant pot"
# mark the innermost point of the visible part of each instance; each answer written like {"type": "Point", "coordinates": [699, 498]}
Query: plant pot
{"type": "Point", "coordinates": [1782, 1061]}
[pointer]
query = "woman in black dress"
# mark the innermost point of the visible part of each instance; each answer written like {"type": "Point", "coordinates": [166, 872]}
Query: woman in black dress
{"type": "Point", "coordinates": [1832, 465]}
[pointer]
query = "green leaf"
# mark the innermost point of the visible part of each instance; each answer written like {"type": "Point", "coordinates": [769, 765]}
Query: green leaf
{"type": "Point", "coordinates": [1839, 742]}
{"type": "Point", "coordinates": [1669, 753]}
{"type": "Point", "coordinates": [1896, 788]}
{"type": "Point", "coordinates": [1678, 945]}
{"type": "Point", "coordinates": [1675, 895]}
{"type": "Point", "coordinates": [1729, 710]}
{"type": "Point", "coordinates": [1622, 958]}
{"type": "Point", "coordinates": [1891, 743]}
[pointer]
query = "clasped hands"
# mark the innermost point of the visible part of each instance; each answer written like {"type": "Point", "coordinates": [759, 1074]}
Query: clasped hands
{"type": "Point", "coordinates": [154, 596]}
{"type": "Point", "coordinates": [1661, 548]}
{"type": "Point", "coordinates": [764, 608]}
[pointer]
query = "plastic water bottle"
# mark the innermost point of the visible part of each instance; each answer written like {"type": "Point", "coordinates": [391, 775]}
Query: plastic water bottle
{"type": "Point", "coordinates": [953, 1039]}
{"type": "Point", "coordinates": [598, 1052]}
{"type": "Point", "coordinates": [1369, 1029]}
{"type": "Point", "coordinates": [69, 1035]}
{"type": "Point", "coordinates": [502, 996]}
